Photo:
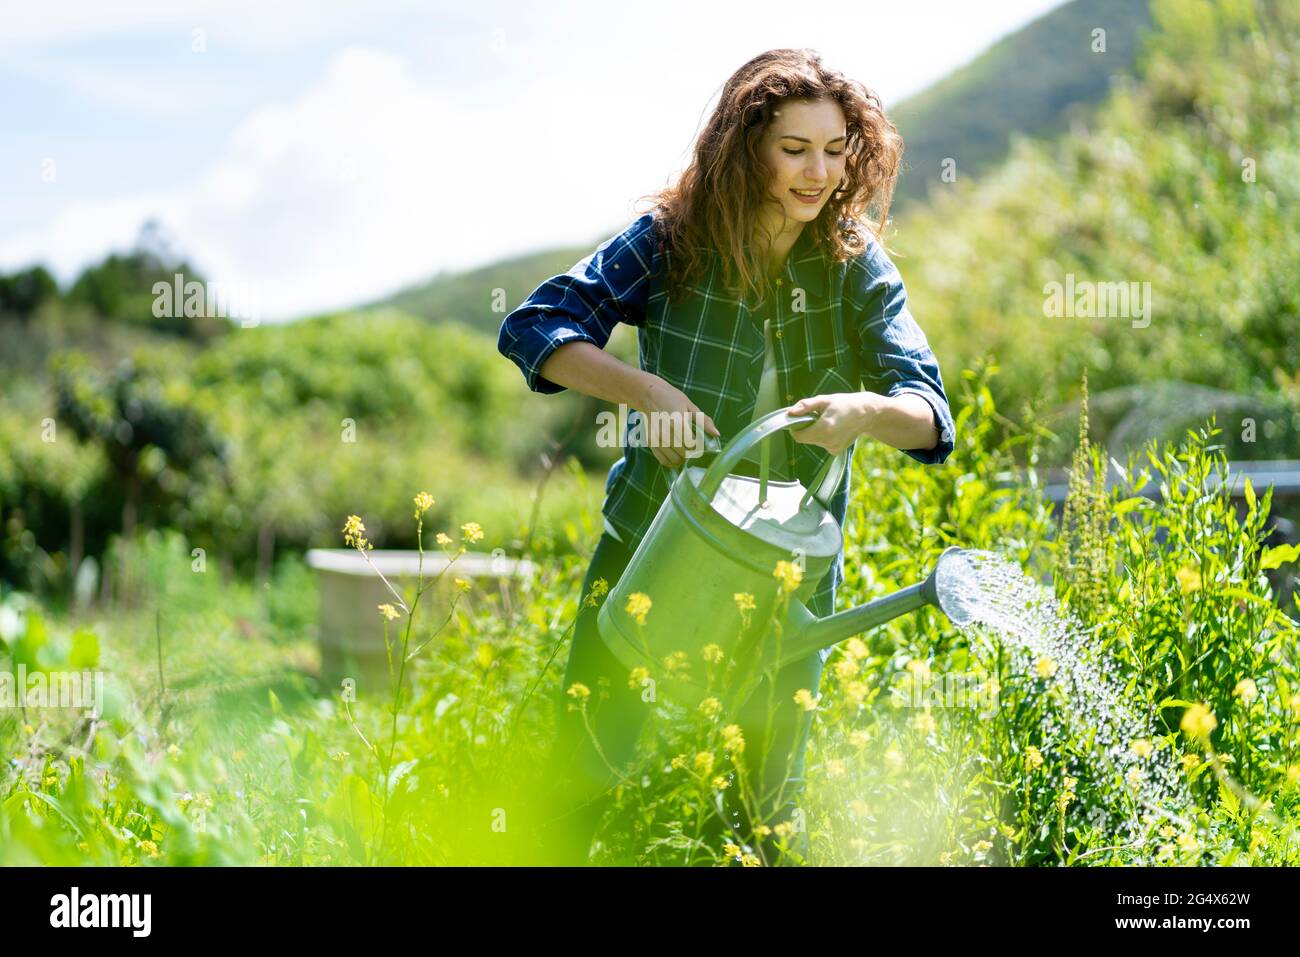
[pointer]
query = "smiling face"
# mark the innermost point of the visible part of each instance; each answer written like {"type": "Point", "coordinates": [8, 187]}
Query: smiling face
{"type": "Point", "coordinates": [804, 146]}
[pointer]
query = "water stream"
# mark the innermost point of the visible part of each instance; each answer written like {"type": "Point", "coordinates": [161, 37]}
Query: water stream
{"type": "Point", "coordinates": [986, 595]}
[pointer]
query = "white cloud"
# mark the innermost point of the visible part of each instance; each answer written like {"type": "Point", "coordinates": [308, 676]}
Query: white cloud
{"type": "Point", "coordinates": [368, 181]}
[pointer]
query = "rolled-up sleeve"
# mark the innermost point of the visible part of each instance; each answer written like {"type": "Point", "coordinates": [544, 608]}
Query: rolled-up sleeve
{"type": "Point", "coordinates": [582, 305]}
{"type": "Point", "coordinates": [895, 354]}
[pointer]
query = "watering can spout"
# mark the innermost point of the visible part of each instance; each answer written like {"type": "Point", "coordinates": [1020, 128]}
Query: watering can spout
{"type": "Point", "coordinates": [814, 634]}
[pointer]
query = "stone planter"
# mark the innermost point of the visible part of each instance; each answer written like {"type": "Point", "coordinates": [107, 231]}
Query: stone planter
{"type": "Point", "coordinates": [351, 632]}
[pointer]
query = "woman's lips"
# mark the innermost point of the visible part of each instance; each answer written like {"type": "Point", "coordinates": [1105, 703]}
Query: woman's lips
{"type": "Point", "coordinates": [810, 200]}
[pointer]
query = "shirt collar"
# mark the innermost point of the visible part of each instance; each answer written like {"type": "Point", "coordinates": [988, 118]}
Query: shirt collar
{"type": "Point", "coordinates": [806, 266]}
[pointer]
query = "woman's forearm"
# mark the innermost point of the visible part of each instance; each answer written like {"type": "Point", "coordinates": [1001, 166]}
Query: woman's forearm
{"type": "Point", "coordinates": [905, 421]}
{"type": "Point", "coordinates": [587, 368]}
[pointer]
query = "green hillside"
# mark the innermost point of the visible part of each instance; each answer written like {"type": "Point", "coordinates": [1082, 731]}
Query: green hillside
{"type": "Point", "coordinates": [1188, 182]}
{"type": "Point", "coordinates": [461, 297]}
{"type": "Point", "coordinates": [1030, 83]}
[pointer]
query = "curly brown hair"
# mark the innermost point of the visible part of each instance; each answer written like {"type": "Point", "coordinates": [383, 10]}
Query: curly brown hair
{"type": "Point", "coordinates": [715, 203]}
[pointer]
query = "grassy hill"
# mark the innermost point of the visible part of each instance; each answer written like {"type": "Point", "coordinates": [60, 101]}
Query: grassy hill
{"type": "Point", "coordinates": [1030, 83]}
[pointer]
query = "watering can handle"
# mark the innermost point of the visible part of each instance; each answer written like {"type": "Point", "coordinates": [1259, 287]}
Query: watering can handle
{"type": "Point", "coordinates": [828, 476]}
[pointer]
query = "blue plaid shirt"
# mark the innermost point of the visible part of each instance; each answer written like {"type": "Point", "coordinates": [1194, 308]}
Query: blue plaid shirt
{"type": "Point", "coordinates": [837, 327]}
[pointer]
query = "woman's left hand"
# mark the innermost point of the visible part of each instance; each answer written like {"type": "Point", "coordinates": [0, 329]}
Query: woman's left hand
{"type": "Point", "coordinates": [842, 417]}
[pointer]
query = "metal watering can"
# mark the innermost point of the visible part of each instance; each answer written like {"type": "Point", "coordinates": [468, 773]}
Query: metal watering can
{"type": "Point", "coordinates": [718, 534]}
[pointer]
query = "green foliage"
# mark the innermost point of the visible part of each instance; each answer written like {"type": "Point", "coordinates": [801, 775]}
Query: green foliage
{"type": "Point", "coordinates": [23, 292]}
{"type": "Point", "coordinates": [235, 763]}
{"type": "Point", "coordinates": [1186, 181]}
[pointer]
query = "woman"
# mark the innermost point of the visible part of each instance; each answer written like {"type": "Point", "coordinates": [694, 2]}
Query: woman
{"type": "Point", "coordinates": [757, 282]}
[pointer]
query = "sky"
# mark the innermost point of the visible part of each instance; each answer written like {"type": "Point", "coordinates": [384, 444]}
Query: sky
{"type": "Point", "coordinates": [322, 154]}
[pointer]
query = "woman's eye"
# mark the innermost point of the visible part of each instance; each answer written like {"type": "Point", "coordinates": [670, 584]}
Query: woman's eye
{"type": "Point", "coordinates": [790, 152]}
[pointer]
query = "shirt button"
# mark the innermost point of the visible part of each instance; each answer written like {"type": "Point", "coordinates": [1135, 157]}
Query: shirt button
{"type": "Point", "coordinates": [615, 265]}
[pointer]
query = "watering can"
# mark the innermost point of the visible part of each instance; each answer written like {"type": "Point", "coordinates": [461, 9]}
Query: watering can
{"type": "Point", "coordinates": [718, 535]}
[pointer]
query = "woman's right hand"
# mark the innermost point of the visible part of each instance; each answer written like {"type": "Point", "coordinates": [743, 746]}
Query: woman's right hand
{"type": "Point", "coordinates": [669, 417]}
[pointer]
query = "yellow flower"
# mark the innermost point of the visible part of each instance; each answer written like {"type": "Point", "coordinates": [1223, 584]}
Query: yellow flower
{"type": "Point", "coordinates": [834, 767]}
{"type": "Point", "coordinates": [353, 532]}
{"type": "Point", "coordinates": [1070, 783]}
{"type": "Point", "coordinates": [711, 707]}
{"type": "Point", "coordinates": [599, 587]}
{"type": "Point", "coordinates": [149, 847]}
{"type": "Point", "coordinates": [733, 739]}
{"type": "Point", "coordinates": [638, 606]}
{"type": "Point", "coordinates": [1033, 758]}
{"type": "Point", "coordinates": [1191, 761]}
{"type": "Point", "coordinates": [1246, 690]}
{"type": "Point", "coordinates": [1008, 831]}
{"type": "Point", "coordinates": [762, 830]}
{"type": "Point", "coordinates": [893, 758]}
{"type": "Point", "coordinates": [919, 669]}
{"type": "Point", "coordinates": [637, 677]}
{"type": "Point", "coordinates": [1198, 721]}
{"type": "Point", "coordinates": [720, 783]}
{"type": "Point", "coordinates": [856, 649]}
{"type": "Point", "coordinates": [579, 691]}
{"type": "Point", "coordinates": [789, 575]}
{"type": "Point", "coordinates": [749, 860]}
{"type": "Point", "coordinates": [472, 532]}
{"type": "Point", "coordinates": [923, 722]}
{"type": "Point", "coordinates": [704, 763]}
{"type": "Point", "coordinates": [1189, 579]}
{"type": "Point", "coordinates": [859, 737]}
{"type": "Point", "coordinates": [846, 668]}
{"type": "Point", "coordinates": [678, 762]}
{"type": "Point", "coordinates": [731, 850]}
{"type": "Point", "coordinates": [1168, 831]}
{"type": "Point", "coordinates": [1133, 777]}
{"type": "Point", "coordinates": [804, 698]}
{"type": "Point", "coordinates": [388, 611]}
{"type": "Point", "coordinates": [712, 653]}
{"type": "Point", "coordinates": [744, 601]}
{"type": "Point", "coordinates": [423, 502]}
{"type": "Point", "coordinates": [981, 847]}
{"type": "Point", "coordinates": [675, 662]}
{"type": "Point", "coordinates": [784, 830]}
{"type": "Point", "coordinates": [483, 655]}
{"type": "Point", "coordinates": [856, 691]}
{"type": "Point", "coordinates": [173, 750]}
{"type": "Point", "coordinates": [443, 539]}
{"type": "Point", "coordinates": [1045, 667]}
{"type": "Point", "coordinates": [1141, 747]}
{"type": "Point", "coordinates": [1187, 842]}
{"type": "Point", "coordinates": [462, 584]}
